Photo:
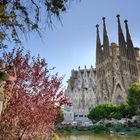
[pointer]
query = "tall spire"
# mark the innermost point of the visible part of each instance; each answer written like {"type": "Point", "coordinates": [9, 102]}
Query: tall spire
{"type": "Point", "coordinates": [98, 36]}
{"type": "Point", "coordinates": [105, 40]}
{"type": "Point", "coordinates": [98, 46]}
{"type": "Point", "coordinates": [121, 39]}
{"type": "Point", "coordinates": [130, 47]}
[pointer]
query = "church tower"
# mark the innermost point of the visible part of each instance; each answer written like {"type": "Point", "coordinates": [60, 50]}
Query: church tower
{"type": "Point", "coordinates": [116, 65]}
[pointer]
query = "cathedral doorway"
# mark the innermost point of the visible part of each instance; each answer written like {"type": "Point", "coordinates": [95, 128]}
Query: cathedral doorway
{"type": "Point", "coordinates": [118, 95]}
{"type": "Point", "coordinates": [119, 100]}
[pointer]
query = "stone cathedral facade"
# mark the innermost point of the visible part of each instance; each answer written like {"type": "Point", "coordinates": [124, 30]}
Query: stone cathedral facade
{"type": "Point", "coordinates": [82, 93]}
{"type": "Point", "coordinates": [117, 66]}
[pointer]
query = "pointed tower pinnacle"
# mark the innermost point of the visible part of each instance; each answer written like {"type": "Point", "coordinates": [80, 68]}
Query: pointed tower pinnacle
{"type": "Point", "coordinates": [130, 47]}
{"type": "Point", "coordinates": [98, 46]}
{"type": "Point", "coordinates": [121, 39]}
{"type": "Point", "coordinates": [98, 36]}
{"type": "Point", "coordinates": [105, 40]}
{"type": "Point", "coordinates": [127, 30]}
{"type": "Point", "coordinates": [98, 42]}
{"type": "Point", "coordinates": [79, 68]}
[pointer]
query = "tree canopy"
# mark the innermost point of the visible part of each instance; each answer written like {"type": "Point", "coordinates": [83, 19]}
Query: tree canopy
{"type": "Point", "coordinates": [18, 16]}
{"type": "Point", "coordinates": [32, 103]}
{"type": "Point", "coordinates": [107, 111]}
{"type": "Point", "coordinates": [101, 112]}
{"type": "Point", "coordinates": [133, 98]}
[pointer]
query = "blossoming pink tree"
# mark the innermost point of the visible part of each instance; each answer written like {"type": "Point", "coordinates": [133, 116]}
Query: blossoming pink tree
{"type": "Point", "coordinates": [33, 101]}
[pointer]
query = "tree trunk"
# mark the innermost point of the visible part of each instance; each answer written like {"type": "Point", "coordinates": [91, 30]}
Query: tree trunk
{"type": "Point", "coordinates": [2, 8]}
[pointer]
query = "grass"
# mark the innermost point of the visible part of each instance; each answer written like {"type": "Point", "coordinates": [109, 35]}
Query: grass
{"type": "Point", "coordinates": [134, 132]}
{"type": "Point", "coordinates": [100, 129]}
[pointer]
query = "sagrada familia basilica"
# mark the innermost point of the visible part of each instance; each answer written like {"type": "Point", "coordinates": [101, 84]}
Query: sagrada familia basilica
{"type": "Point", "coordinates": [117, 66]}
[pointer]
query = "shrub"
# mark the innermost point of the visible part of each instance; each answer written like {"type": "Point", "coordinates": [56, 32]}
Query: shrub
{"type": "Point", "coordinates": [117, 115]}
{"type": "Point", "coordinates": [130, 124]}
{"type": "Point", "coordinates": [135, 133]}
{"type": "Point", "coordinates": [101, 112]}
{"type": "Point", "coordinates": [133, 97]}
{"type": "Point", "coordinates": [99, 128]}
{"type": "Point", "coordinates": [120, 128]}
{"type": "Point", "coordinates": [109, 125]}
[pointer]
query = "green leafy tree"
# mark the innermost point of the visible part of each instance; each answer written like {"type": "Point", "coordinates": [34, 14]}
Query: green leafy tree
{"type": "Point", "coordinates": [22, 16]}
{"type": "Point", "coordinates": [119, 112]}
{"type": "Point", "coordinates": [101, 112]}
{"type": "Point", "coordinates": [133, 98]}
{"type": "Point", "coordinates": [125, 110]}
{"type": "Point", "coordinates": [107, 111]}
{"type": "Point", "coordinates": [116, 115]}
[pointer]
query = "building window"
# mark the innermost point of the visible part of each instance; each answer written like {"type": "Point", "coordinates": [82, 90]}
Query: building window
{"type": "Point", "coordinates": [75, 115]}
{"type": "Point", "coordinates": [80, 115]}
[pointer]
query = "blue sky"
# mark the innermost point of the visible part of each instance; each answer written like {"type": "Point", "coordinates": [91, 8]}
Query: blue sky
{"type": "Point", "coordinates": [73, 44]}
